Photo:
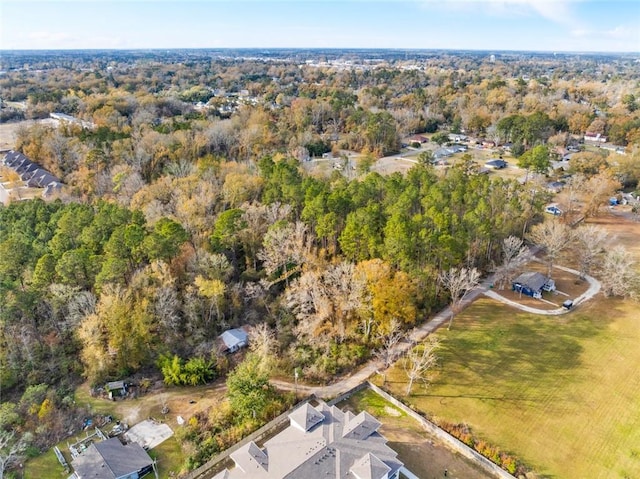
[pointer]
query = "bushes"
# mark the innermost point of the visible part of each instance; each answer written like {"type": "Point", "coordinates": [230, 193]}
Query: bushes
{"type": "Point", "coordinates": [192, 373]}
{"type": "Point", "coordinates": [503, 459]}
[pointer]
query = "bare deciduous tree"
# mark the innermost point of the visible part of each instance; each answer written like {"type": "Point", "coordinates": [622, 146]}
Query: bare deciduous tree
{"type": "Point", "coordinates": [554, 237]}
{"type": "Point", "coordinates": [618, 275]}
{"type": "Point", "coordinates": [590, 240]}
{"type": "Point", "coordinates": [458, 282]}
{"type": "Point", "coordinates": [285, 250]}
{"type": "Point", "coordinates": [514, 255]}
{"type": "Point", "coordinates": [419, 361]}
{"type": "Point", "coordinates": [325, 302]}
{"type": "Point", "coordinates": [597, 190]}
{"type": "Point", "coordinates": [571, 194]}
{"type": "Point", "coordinates": [262, 341]}
{"type": "Point", "coordinates": [388, 341]}
{"type": "Point", "coordinates": [10, 451]}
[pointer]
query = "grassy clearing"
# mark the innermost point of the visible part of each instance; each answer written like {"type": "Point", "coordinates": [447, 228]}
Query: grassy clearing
{"type": "Point", "coordinates": [421, 453]}
{"type": "Point", "coordinates": [169, 456]}
{"type": "Point", "coordinates": [45, 465]}
{"type": "Point", "coordinates": [559, 392]}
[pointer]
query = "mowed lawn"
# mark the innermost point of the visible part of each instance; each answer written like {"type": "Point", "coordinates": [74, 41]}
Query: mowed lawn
{"type": "Point", "coordinates": [561, 393]}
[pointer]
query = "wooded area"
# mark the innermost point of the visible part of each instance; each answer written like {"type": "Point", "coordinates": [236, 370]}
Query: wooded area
{"type": "Point", "coordinates": [187, 209]}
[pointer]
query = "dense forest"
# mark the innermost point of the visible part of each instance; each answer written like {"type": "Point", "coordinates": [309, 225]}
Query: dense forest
{"type": "Point", "coordinates": [187, 209]}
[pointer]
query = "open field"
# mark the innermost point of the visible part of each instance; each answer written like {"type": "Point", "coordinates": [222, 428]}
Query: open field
{"type": "Point", "coordinates": [421, 453]}
{"type": "Point", "coordinates": [559, 392]}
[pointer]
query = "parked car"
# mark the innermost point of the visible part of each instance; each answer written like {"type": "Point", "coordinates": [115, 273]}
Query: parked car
{"type": "Point", "coordinates": [553, 210]}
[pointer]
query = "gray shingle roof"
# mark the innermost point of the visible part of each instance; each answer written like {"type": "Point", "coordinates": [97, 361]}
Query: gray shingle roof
{"type": "Point", "coordinates": [110, 459]}
{"type": "Point", "coordinates": [250, 458]}
{"type": "Point", "coordinates": [305, 417]}
{"type": "Point", "coordinates": [361, 426]}
{"type": "Point", "coordinates": [370, 467]}
{"type": "Point", "coordinates": [531, 279]}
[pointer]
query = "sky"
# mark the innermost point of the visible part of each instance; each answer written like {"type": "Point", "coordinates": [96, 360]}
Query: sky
{"type": "Point", "coordinates": [532, 25]}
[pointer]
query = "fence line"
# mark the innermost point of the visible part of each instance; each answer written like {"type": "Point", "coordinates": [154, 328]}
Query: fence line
{"type": "Point", "coordinates": [445, 437]}
{"type": "Point", "coordinates": [458, 446]}
{"type": "Point", "coordinates": [204, 471]}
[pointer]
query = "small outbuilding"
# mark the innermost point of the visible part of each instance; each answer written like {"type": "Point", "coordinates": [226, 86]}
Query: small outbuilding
{"type": "Point", "coordinates": [116, 389]}
{"type": "Point", "coordinates": [533, 284]}
{"type": "Point", "coordinates": [234, 340]}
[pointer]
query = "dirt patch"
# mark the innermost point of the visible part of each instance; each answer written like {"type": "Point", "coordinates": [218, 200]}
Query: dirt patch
{"type": "Point", "coordinates": [622, 226]}
{"type": "Point", "coordinates": [180, 401]}
{"type": "Point", "coordinates": [392, 412]}
{"type": "Point", "coordinates": [421, 453]}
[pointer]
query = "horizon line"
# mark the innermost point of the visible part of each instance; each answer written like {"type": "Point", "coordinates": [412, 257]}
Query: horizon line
{"type": "Point", "coordinates": [417, 49]}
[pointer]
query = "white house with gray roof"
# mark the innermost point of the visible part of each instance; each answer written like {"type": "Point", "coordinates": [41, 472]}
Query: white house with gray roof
{"type": "Point", "coordinates": [320, 441]}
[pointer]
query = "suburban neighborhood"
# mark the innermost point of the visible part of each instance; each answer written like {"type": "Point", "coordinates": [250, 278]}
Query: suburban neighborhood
{"type": "Point", "coordinates": [297, 260]}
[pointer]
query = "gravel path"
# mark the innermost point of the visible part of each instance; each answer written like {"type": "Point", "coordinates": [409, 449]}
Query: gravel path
{"type": "Point", "coordinates": [374, 366]}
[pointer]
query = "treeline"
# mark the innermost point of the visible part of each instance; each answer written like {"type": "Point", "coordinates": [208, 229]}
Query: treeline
{"type": "Point", "coordinates": [105, 284]}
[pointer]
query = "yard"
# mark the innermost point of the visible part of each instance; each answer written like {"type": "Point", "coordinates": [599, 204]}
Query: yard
{"type": "Point", "coordinates": [561, 393]}
{"type": "Point", "coordinates": [181, 401]}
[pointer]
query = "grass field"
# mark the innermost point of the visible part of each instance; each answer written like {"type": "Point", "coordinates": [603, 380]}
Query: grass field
{"type": "Point", "coordinates": [561, 393]}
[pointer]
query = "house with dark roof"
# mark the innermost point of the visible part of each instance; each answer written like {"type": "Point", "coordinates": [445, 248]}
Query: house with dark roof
{"type": "Point", "coordinates": [496, 164]}
{"type": "Point", "coordinates": [111, 459]}
{"type": "Point", "coordinates": [533, 284]}
{"type": "Point", "coordinates": [320, 441]}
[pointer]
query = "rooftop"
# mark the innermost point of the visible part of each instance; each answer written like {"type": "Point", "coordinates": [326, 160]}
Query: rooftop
{"type": "Point", "coordinates": [321, 441]}
{"type": "Point", "coordinates": [111, 459]}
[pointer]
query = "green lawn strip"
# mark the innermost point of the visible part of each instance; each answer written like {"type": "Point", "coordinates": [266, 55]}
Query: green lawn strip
{"type": "Point", "coordinates": [169, 456]}
{"type": "Point", "coordinates": [46, 464]}
{"type": "Point", "coordinates": [560, 393]}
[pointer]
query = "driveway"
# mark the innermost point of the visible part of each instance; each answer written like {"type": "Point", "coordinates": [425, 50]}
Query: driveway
{"type": "Point", "coordinates": [594, 288]}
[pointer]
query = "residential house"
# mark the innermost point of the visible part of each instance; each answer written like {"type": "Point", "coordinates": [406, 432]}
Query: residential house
{"type": "Point", "coordinates": [533, 284]}
{"type": "Point", "coordinates": [31, 173]}
{"type": "Point", "coordinates": [418, 139]}
{"type": "Point", "coordinates": [594, 138]}
{"type": "Point", "coordinates": [320, 441]}
{"type": "Point", "coordinates": [111, 459]}
{"type": "Point", "coordinates": [496, 164]}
